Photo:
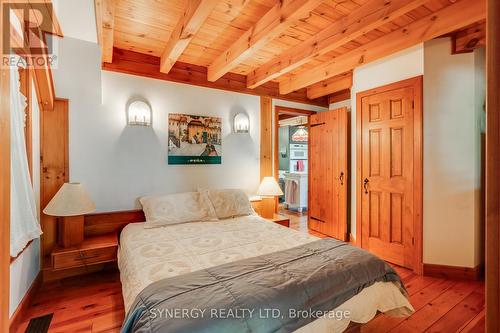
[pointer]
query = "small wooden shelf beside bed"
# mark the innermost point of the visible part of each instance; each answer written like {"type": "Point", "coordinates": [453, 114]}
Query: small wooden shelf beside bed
{"type": "Point", "coordinates": [94, 250]}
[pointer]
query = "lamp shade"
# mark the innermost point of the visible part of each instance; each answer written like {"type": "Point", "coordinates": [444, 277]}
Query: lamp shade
{"type": "Point", "coordinates": [269, 187]}
{"type": "Point", "coordinates": [70, 200]}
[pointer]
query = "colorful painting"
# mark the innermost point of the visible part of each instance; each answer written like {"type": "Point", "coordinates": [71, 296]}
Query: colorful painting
{"type": "Point", "coordinates": [194, 139]}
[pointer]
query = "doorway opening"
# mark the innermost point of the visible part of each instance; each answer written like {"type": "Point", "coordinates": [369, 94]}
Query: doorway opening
{"type": "Point", "coordinates": [291, 141]}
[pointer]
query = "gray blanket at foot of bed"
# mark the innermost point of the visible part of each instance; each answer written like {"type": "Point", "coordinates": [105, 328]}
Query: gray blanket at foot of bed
{"type": "Point", "coordinates": [276, 292]}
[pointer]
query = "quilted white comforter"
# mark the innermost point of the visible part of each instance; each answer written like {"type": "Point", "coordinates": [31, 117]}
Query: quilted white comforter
{"type": "Point", "coordinates": [149, 255]}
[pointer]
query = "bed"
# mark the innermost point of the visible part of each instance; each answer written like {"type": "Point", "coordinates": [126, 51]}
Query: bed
{"type": "Point", "coordinates": [150, 255]}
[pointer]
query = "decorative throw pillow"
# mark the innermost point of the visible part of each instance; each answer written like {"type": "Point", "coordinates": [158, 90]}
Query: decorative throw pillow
{"type": "Point", "coordinates": [229, 203]}
{"type": "Point", "coordinates": [177, 208]}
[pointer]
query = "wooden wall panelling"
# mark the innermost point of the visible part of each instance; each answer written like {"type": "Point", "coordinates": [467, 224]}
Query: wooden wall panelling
{"type": "Point", "coordinates": [493, 169]}
{"type": "Point", "coordinates": [54, 165]}
{"type": "Point", "coordinates": [448, 19]}
{"type": "Point", "coordinates": [280, 17]}
{"type": "Point", "coordinates": [135, 63]}
{"type": "Point", "coordinates": [194, 16]}
{"type": "Point", "coordinates": [4, 190]}
{"type": "Point", "coordinates": [358, 22]}
{"type": "Point", "coordinates": [266, 137]}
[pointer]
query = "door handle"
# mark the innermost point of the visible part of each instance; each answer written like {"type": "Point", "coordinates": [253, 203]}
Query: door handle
{"type": "Point", "coordinates": [365, 185]}
{"type": "Point", "coordinates": [341, 178]}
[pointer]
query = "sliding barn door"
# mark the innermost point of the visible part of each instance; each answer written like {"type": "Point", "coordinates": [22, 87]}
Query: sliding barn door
{"type": "Point", "coordinates": [387, 183]}
{"type": "Point", "coordinates": [328, 173]}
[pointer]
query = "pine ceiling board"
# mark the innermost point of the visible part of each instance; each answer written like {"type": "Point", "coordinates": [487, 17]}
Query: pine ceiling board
{"type": "Point", "coordinates": [436, 5]}
{"type": "Point", "coordinates": [328, 12]}
{"type": "Point", "coordinates": [403, 20]}
{"type": "Point", "coordinates": [419, 12]}
{"type": "Point", "coordinates": [145, 30]}
{"type": "Point", "coordinates": [150, 14]}
{"type": "Point", "coordinates": [128, 42]}
{"type": "Point", "coordinates": [200, 55]}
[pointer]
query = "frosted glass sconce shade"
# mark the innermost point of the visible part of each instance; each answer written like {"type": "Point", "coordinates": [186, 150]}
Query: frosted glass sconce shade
{"type": "Point", "coordinates": [139, 114]}
{"type": "Point", "coordinates": [241, 123]}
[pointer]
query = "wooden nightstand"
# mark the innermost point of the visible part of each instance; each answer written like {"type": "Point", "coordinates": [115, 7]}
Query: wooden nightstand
{"type": "Point", "coordinates": [281, 219]}
{"type": "Point", "coordinates": [94, 250]}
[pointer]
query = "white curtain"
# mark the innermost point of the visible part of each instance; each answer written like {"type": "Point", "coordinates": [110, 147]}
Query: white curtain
{"type": "Point", "coordinates": [24, 225]}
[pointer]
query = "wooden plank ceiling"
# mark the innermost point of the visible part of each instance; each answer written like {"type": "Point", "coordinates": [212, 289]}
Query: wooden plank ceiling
{"type": "Point", "coordinates": [294, 44]}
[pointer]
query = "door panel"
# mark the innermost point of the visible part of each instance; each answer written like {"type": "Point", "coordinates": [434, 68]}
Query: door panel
{"type": "Point", "coordinates": [387, 174]}
{"type": "Point", "coordinates": [328, 173]}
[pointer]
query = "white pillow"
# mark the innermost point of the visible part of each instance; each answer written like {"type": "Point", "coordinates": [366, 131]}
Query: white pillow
{"type": "Point", "coordinates": [229, 203]}
{"type": "Point", "coordinates": [177, 208]}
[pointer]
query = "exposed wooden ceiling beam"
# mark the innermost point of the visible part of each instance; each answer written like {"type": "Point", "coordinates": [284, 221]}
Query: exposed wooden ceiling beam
{"type": "Point", "coordinates": [275, 21]}
{"type": "Point", "coordinates": [453, 17]}
{"type": "Point", "coordinates": [105, 21]}
{"type": "Point", "coordinates": [330, 86]}
{"type": "Point", "coordinates": [195, 14]}
{"type": "Point", "coordinates": [470, 38]}
{"type": "Point", "coordinates": [339, 96]}
{"type": "Point", "coordinates": [369, 16]}
{"type": "Point", "coordinates": [135, 63]}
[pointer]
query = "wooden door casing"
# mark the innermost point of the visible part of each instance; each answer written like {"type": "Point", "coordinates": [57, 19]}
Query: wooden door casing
{"type": "Point", "coordinates": [389, 167]}
{"type": "Point", "coordinates": [328, 173]}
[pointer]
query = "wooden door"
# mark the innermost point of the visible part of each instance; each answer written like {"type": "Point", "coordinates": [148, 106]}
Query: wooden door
{"type": "Point", "coordinates": [328, 173]}
{"type": "Point", "coordinates": [387, 183]}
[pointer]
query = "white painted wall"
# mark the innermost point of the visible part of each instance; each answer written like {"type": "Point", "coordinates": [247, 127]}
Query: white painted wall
{"type": "Point", "coordinates": [77, 18]}
{"type": "Point", "coordinates": [117, 163]}
{"type": "Point", "coordinates": [26, 267]}
{"type": "Point", "coordinates": [453, 90]}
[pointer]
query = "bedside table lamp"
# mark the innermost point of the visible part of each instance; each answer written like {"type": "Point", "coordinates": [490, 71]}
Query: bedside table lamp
{"type": "Point", "coordinates": [269, 189]}
{"type": "Point", "coordinates": [70, 203]}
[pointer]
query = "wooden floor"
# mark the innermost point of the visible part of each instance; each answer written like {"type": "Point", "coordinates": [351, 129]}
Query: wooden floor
{"type": "Point", "coordinates": [94, 303]}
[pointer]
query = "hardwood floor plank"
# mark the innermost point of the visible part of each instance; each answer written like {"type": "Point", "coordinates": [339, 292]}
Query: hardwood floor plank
{"type": "Point", "coordinates": [419, 299]}
{"type": "Point", "coordinates": [437, 308]}
{"type": "Point", "coordinates": [476, 325]}
{"type": "Point", "coordinates": [462, 313]}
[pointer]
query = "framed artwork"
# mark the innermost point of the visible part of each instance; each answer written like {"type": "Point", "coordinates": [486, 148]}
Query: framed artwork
{"type": "Point", "coordinates": [194, 139]}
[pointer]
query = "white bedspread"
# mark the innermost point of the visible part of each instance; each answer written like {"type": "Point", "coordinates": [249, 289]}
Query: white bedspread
{"type": "Point", "coordinates": [149, 255]}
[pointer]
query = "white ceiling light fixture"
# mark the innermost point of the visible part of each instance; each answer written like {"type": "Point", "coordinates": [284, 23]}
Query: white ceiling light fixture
{"type": "Point", "coordinates": [241, 123]}
{"type": "Point", "coordinates": [139, 113]}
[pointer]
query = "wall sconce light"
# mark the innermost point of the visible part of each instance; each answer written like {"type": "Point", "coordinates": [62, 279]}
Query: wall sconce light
{"type": "Point", "coordinates": [241, 123]}
{"type": "Point", "coordinates": [139, 113]}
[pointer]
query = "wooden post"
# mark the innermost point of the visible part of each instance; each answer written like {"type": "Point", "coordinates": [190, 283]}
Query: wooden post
{"type": "Point", "coordinates": [4, 191]}
{"type": "Point", "coordinates": [266, 146]}
{"type": "Point", "coordinates": [266, 137]}
{"type": "Point", "coordinates": [493, 168]}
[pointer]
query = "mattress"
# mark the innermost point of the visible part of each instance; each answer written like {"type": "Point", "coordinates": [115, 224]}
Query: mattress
{"type": "Point", "coordinates": [149, 255]}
